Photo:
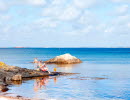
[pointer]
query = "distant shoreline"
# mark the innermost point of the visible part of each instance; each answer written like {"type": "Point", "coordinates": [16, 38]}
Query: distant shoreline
{"type": "Point", "coordinates": [66, 47]}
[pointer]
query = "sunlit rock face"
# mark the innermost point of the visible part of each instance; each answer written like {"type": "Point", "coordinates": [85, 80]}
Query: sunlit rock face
{"type": "Point", "coordinates": [64, 59]}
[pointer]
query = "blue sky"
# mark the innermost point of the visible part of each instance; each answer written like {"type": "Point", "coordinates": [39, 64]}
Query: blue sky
{"type": "Point", "coordinates": [65, 23]}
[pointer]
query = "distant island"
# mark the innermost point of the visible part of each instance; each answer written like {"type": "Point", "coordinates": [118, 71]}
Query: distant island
{"type": "Point", "coordinates": [19, 47]}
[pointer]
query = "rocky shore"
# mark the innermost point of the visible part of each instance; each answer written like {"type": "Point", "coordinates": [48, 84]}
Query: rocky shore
{"type": "Point", "coordinates": [12, 73]}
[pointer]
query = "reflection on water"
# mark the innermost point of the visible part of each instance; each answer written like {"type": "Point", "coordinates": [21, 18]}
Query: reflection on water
{"type": "Point", "coordinates": [41, 83]}
{"type": "Point", "coordinates": [66, 67]}
{"type": "Point", "coordinates": [18, 83]}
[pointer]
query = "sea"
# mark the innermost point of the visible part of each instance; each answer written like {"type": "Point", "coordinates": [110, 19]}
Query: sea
{"type": "Point", "coordinates": [104, 74]}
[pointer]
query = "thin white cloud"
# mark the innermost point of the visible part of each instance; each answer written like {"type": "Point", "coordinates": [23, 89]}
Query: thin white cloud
{"type": "Point", "coordinates": [84, 3]}
{"type": "Point", "coordinates": [118, 26]}
{"type": "Point", "coordinates": [119, 1]}
{"type": "Point", "coordinates": [53, 11]}
{"type": "Point", "coordinates": [25, 2]}
{"type": "Point", "coordinates": [3, 6]}
{"type": "Point", "coordinates": [61, 12]}
{"type": "Point", "coordinates": [4, 17]}
{"type": "Point", "coordinates": [36, 2]}
{"type": "Point", "coordinates": [88, 29]}
{"type": "Point", "coordinates": [120, 20]}
{"type": "Point", "coordinates": [58, 2]}
{"type": "Point", "coordinates": [46, 22]}
{"type": "Point", "coordinates": [6, 4]}
{"type": "Point", "coordinates": [66, 18]}
{"type": "Point", "coordinates": [108, 30]}
{"type": "Point", "coordinates": [88, 18]}
{"type": "Point", "coordinates": [128, 24]}
{"type": "Point", "coordinates": [121, 10]}
{"type": "Point", "coordinates": [6, 29]}
{"type": "Point", "coordinates": [70, 13]}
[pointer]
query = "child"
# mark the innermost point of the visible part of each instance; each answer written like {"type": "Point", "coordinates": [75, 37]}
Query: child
{"type": "Point", "coordinates": [35, 60]}
{"type": "Point", "coordinates": [44, 68]}
{"type": "Point", "coordinates": [39, 65]}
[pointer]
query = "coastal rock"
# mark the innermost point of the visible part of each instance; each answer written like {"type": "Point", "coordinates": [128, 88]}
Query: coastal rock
{"type": "Point", "coordinates": [6, 67]}
{"type": "Point", "coordinates": [13, 73]}
{"type": "Point", "coordinates": [17, 77]}
{"type": "Point", "coordinates": [64, 59]}
{"type": "Point", "coordinates": [4, 75]}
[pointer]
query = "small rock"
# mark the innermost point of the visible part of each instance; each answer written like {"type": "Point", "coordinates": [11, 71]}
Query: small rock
{"type": "Point", "coordinates": [19, 96]}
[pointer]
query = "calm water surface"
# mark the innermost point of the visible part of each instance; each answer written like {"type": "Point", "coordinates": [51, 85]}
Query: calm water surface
{"type": "Point", "coordinates": [110, 63]}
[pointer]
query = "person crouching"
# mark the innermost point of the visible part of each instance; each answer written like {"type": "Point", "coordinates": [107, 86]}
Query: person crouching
{"type": "Point", "coordinates": [44, 68]}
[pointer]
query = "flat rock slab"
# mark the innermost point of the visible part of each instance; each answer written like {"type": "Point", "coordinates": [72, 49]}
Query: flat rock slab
{"type": "Point", "coordinates": [14, 73]}
{"type": "Point", "coordinates": [42, 74]}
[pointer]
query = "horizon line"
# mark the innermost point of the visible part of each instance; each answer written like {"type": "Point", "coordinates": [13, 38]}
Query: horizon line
{"type": "Point", "coordinates": [64, 47]}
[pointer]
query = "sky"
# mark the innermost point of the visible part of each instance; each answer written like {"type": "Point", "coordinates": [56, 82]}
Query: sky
{"type": "Point", "coordinates": [65, 23]}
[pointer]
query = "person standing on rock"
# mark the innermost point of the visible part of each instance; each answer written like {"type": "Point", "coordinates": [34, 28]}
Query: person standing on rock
{"type": "Point", "coordinates": [35, 62]}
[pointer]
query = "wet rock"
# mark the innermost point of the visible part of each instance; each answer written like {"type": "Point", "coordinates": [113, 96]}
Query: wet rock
{"type": "Point", "coordinates": [3, 88]}
{"type": "Point", "coordinates": [17, 77]}
{"type": "Point", "coordinates": [17, 73]}
{"type": "Point", "coordinates": [88, 78]}
{"type": "Point", "coordinates": [64, 59]}
{"type": "Point", "coordinates": [5, 76]}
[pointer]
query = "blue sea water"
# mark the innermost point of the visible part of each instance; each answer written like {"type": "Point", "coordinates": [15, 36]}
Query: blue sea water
{"type": "Point", "coordinates": [113, 64]}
